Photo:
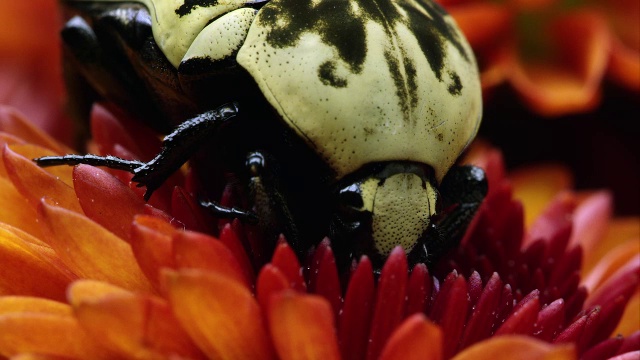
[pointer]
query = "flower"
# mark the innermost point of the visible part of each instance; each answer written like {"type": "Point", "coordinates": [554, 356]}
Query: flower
{"type": "Point", "coordinates": [553, 53]}
{"type": "Point", "coordinates": [92, 271]}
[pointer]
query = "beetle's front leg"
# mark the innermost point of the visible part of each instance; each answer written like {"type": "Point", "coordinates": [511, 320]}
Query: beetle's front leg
{"type": "Point", "coordinates": [462, 191]}
{"type": "Point", "coordinates": [177, 148]}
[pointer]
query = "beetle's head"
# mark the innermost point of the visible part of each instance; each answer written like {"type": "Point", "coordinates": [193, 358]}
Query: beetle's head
{"type": "Point", "coordinates": [387, 205]}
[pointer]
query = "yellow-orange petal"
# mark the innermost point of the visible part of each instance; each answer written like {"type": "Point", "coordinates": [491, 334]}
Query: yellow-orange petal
{"type": "Point", "coordinates": [200, 251]}
{"type": "Point", "coordinates": [221, 315]}
{"type": "Point", "coordinates": [51, 334]}
{"type": "Point", "coordinates": [537, 185]}
{"type": "Point", "coordinates": [137, 326]}
{"type": "Point", "coordinates": [302, 327]}
{"type": "Point", "coordinates": [34, 183]}
{"type": "Point", "coordinates": [13, 122]}
{"type": "Point", "coordinates": [25, 356]}
{"type": "Point", "coordinates": [30, 151]}
{"type": "Point", "coordinates": [620, 231]}
{"type": "Point", "coordinates": [89, 250]}
{"type": "Point", "coordinates": [416, 338]}
{"type": "Point", "coordinates": [27, 304]}
{"type": "Point", "coordinates": [569, 83]}
{"type": "Point", "coordinates": [29, 268]}
{"type": "Point", "coordinates": [526, 348]}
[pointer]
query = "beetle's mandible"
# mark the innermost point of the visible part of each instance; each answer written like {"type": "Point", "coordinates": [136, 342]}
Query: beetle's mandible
{"type": "Point", "coordinates": [339, 118]}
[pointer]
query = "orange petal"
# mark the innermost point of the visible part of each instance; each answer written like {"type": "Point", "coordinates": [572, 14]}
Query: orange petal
{"type": "Point", "coordinates": [630, 321]}
{"type": "Point", "coordinates": [30, 151]}
{"type": "Point", "coordinates": [611, 263]}
{"type": "Point", "coordinates": [24, 356]}
{"type": "Point", "coordinates": [52, 334]}
{"type": "Point", "coordinates": [620, 231]}
{"type": "Point", "coordinates": [526, 348]}
{"type": "Point", "coordinates": [16, 210]}
{"type": "Point", "coordinates": [26, 304]}
{"type": "Point", "coordinates": [13, 122]}
{"type": "Point", "coordinates": [152, 246]}
{"type": "Point", "coordinates": [416, 338]}
{"type": "Point", "coordinates": [200, 251]}
{"type": "Point", "coordinates": [89, 250]}
{"type": "Point", "coordinates": [220, 314]}
{"type": "Point", "coordinates": [624, 65]}
{"type": "Point", "coordinates": [302, 327]}
{"type": "Point", "coordinates": [34, 183]}
{"type": "Point", "coordinates": [484, 24]}
{"type": "Point", "coordinates": [29, 268]}
{"type": "Point", "coordinates": [537, 185]}
{"type": "Point", "coordinates": [571, 82]}
{"type": "Point", "coordinates": [134, 325]}
{"type": "Point", "coordinates": [98, 191]}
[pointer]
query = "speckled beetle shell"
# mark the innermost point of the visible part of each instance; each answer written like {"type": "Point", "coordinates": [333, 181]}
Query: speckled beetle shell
{"type": "Point", "coordinates": [360, 80]}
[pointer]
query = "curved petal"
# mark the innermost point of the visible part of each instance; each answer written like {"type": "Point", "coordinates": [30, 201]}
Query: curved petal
{"type": "Point", "coordinates": [23, 304]}
{"type": "Point", "coordinates": [302, 327]}
{"type": "Point", "coordinates": [219, 314]}
{"type": "Point", "coordinates": [630, 322]}
{"type": "Point", "coordinates": [624, 65]}
{"type": "Point", "coordinates": [152, 245]}
{"type": "Point", "coordinates": [416, 338]}
{"type": "Point", "coordinates": [34, 183]}
{"type": "Point", "coordinates": [17, 211]}
{"type": "Point", "coordinates": [97, 193]}
{"type": "Point", "coordinates": [570, 82]}
{"type": "Point", "coordinates": [620, 232]}
{"type": "Point", "coordinates": [14, 123]}
{"type": "Point", "coordinates": [29, 268]}
{"type": "Point", "coordinates": [134, 325]}
{"type": "Point", "coordinates": [527, 348]}
{"type": "Point", "coordinates": [53, 334]}
{"type": "Point", "coordinates": [89, 250]}
{"type": "Point", "coordinates": [537, 185]}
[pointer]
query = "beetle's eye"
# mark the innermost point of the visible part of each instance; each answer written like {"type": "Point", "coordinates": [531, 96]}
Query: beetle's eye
{"type": "Point", "coordinates": [351, 196]}
{"type": "Point", "coordinates": [255, 163]}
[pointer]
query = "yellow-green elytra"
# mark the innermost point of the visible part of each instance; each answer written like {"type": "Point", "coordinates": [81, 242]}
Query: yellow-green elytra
{"type": "Point", "coordinates": [360, 81]}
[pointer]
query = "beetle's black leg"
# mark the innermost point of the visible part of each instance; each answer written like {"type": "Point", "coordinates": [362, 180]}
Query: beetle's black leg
{"type": "Point", "coordinates": [177, 148]}
{"type": "Point", "coordinates": [463, 189]}
{"type": "Point", "coordinates": [229, 212]}
{"type": "Point", "coordinates": [269, 200]}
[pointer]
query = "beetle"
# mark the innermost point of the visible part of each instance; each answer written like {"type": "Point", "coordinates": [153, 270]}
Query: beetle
{"type": "Point", "coordinates": [339, 118]}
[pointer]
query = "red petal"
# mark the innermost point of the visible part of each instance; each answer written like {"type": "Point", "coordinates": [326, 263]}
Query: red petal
{"type": "Point", "coordinates": [522, 320]}
{"type": "Point", "coordinates": [356, 312]}
{"type": "Point", "coordinates": [483, 316]}
{"type": "Point", "coordinates": [98, 191]}
{"type": "Point", "coordinates": [390, 301]}
{"type": "Point", "coordinates": [220, 315]}
{"type": "Point", "coordinates": [327, 283]}
{"type": "Point", "coordinates": [199, 251]}
{"type": "Point", "coordinates": [152, 246]}
{"type": "Point", "coordinates": [233, 243]}
{"type": "Point", "coordinates": [416, 338]}
{"type": "Point", "coordinates": [302, 327]}
{"type": "Point", "coordinates": [418, 290]}
{"type": "Point", "coordinates": [550, 321]}
{"type": "Point", "coordinates": [270, 281]}
{"type": "Point", "coordinates": [187, 210]}
{"type": "Point", "coordinates": [286, 260]}
{"type": "Point", "coordinates": [450, 311]}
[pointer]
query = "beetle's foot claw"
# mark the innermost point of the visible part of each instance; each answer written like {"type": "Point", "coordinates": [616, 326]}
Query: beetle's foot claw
{"type": "Point", "coordinates": [230, 212]}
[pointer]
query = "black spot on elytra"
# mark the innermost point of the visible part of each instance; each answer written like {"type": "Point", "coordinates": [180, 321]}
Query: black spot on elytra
{"type": "Point", "coordinates": [455, 88]}
{"type": "Point", "coordinates": [341, 24]}
{"type": "Point", "coordinates": [189, 5]}
{"type": "Point", "coordinates": [328, 76]}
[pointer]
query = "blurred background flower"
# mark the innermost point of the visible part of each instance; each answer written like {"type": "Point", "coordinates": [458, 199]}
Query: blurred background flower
{"type": "Point", "coordinates": [89, 270]}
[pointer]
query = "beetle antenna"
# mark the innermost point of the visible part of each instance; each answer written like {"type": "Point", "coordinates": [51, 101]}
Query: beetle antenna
{"type": "Point", "coordinates": [109, 161]}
